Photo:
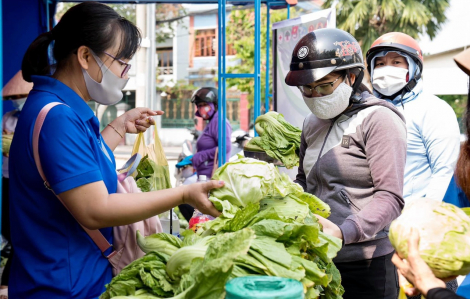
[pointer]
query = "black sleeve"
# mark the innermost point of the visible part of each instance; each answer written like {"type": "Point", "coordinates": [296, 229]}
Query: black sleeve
{"type": "Point", "coordinates": [301, 179]}
{"type": "Point", "coordinates": [442, 293]}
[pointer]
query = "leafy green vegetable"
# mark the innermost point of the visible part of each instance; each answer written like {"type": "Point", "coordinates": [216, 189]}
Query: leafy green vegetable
{"type": "Point", "coordinates": [444, 233]}
{"type": "Point", "coordinates": [251, 181]}
{"type": "Point", "coordinates": [466, 211]}
{"type": "Point", "coordinates": [266, 227]}
{"type": "Point", "coordinates": [161, 242]}
{"type": "Point", "coordinates": [151, 177]}
{"type": "Point", "coordinates": [246, 181]}
{"type": "Point", "coordinates": [278, 138]}
{"type": "Point", "coordinates": [180, 261]}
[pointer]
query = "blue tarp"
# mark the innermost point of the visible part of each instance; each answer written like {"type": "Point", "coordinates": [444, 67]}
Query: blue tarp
{"type": "Point", "coordinates": [22, 22]}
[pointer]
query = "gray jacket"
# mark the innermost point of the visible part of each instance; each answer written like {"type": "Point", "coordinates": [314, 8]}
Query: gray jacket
{"type": "Point", "coordinates": [355, 163]}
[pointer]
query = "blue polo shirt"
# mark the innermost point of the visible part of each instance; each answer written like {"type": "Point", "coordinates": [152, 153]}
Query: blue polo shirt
{"type": "Point", "coordinates": [54, 257]}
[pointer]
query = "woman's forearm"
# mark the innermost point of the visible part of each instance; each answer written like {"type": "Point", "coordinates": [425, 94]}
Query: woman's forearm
{"type": "Point", "coordinates": [94, 208]}
{"type": "Point", "coordinates": [114, 133]}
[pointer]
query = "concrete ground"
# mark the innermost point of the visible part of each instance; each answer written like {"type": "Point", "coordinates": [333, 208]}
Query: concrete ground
{"type": "Point", "coordinates": [123, 152]}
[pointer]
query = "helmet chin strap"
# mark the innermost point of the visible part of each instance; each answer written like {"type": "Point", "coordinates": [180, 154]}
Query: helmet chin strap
{"type": "Point", "coordinates": [409, 86]}
{"type": "Point", "coordinates": [354, 97]}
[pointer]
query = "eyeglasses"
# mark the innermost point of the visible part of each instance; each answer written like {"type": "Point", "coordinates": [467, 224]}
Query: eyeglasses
{"type": "Point", "coordinates": [127, 65]}
{"type": "Point", "coordinates": [322, 89]}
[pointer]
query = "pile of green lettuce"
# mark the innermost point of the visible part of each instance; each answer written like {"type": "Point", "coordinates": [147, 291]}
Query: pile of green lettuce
{"type": "Point", "coordinates": [267, 227]}
{"type": "Point", "coordinates": [278, 138]}
{"type": "Point", "coordinates": [444, 232]}
{"type": "Point", "coordinates": [152, 177]}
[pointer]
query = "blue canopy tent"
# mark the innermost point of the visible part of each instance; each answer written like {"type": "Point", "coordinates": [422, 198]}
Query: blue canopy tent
{"type": "Point", "coordinates": [24, 20]}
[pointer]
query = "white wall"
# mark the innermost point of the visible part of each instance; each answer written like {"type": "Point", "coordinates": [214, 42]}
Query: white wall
{"type": "Point", "coordinates": [441, 76]}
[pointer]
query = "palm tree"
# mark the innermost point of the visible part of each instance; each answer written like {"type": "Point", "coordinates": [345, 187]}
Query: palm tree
{"type": "Point", "coordinates": [366, 20]}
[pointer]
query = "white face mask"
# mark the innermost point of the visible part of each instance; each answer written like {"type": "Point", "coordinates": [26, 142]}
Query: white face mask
{"type": "Point", "coordinates": [19, 103]}
{"type": "Point", "coordinates": [332, 105]}
{"type": "Point", "coordinates": [389, 80]}
{"type": "Point", "coordinates": [187, 172]}
{"type": "Point", "coordinates": [109, 91]}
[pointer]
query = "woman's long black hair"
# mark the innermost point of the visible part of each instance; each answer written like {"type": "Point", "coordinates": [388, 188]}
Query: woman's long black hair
{"type": "Point", "coordinates": [90, 24]}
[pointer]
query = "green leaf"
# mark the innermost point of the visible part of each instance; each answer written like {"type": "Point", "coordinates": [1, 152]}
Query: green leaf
{"type": "Point", "coordinates": [272, 250]}
{"type": "Point", "coordinates": [161, 242]}
{"type": "Point", "coordinates": [242, 218]}
{"type": "Point", "coordinates": [312, 272]}
{"type": "Point", "coordinates": [466, 211]}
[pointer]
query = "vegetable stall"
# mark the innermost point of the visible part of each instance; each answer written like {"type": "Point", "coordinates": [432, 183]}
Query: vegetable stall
{"type": "Point", "coordinates": [267, 227]}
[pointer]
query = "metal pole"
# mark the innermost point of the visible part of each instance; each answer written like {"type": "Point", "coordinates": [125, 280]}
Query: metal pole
{"type": "Point", "coordinates": [257, 60]}
{"type": "Point", "coordinates": [288, 11]}
{"type": "Point", "coordinates": [224, 87]}
{"type": "Point", "coordinates": [266, 92]}
{"type": "Point", "coordinates": [220, 81]}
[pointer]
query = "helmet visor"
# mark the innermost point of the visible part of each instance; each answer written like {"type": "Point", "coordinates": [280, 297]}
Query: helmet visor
{"type": "Point", "coordinates": [306, 77]}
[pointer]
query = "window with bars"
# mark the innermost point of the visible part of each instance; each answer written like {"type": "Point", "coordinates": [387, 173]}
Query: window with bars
{"type": "Point", "coordinates": [165, 61]}
{"type": "Point", "coordinates": [206, 44]}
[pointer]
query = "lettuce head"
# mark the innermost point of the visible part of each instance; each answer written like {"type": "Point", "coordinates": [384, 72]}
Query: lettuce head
{"type": "Point", "coordinates": [444, 233]}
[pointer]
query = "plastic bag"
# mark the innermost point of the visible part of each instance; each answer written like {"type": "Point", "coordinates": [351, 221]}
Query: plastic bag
{"type": "Point", "coordinates": [153, 172]}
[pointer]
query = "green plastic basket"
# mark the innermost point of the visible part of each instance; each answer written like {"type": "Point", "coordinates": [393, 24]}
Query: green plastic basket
{"type": "Point", "coordinates": [261, 287]}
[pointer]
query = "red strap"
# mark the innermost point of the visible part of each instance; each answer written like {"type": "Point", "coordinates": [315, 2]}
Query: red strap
{"type": "Point", "coordinates": [95, 235]}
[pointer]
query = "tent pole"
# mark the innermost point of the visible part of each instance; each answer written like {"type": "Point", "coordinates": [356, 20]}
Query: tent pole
{"type": "Point", "coordinates": [220, 80]}
{"type": "Point", "coordinates": [266, 92]}
{"type": "Point", "coordinates": [288, 11]}
{"type": "Point", "coordinates": [223, 111]}
{"type": "Point", "coordinates": [257, 61]}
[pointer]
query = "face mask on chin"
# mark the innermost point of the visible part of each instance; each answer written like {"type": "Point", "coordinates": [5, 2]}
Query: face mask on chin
{"type": "Point", "coordinates": [389, 80]}
{"type": "Point", "coordinates": [332, 105]}
{"type": "Point", "coordinates": [109, 91]}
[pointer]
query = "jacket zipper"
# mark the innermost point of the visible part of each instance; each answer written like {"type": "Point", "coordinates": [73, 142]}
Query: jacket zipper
{"type": "Point", "coordinates": [317, 166]}
{"type": "Point", "coordinates": [345, 196]}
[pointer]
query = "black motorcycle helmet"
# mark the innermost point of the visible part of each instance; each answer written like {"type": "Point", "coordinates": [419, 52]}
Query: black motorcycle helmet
{"type": "Point", "coordinates": [324, 51]}
{"type": "Point", "coordinates": [205, 95]}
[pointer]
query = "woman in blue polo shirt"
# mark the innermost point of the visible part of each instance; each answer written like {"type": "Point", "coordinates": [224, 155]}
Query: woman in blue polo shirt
{"type": "Point", "coordinates": [54, 257]}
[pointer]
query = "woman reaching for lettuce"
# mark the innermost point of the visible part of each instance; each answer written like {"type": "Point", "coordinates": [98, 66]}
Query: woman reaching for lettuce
{"type": "Point", "coordinates": [54, 257]}
{"type": "Point", "coordinates": [352, 156]}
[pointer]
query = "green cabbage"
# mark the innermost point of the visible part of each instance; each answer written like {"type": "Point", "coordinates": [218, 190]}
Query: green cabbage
{"type": "Point", "coordinates": [161, 242]}
{"type": "Point", "coordinates": [444, 233]}
{"type": "Point", "coordinates": [278, 138]}
{"type": "Point", "coordinates": [251, 181]}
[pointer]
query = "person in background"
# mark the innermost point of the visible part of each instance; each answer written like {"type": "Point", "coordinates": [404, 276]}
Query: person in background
{"type": "Point", "coordinates": [205, 99]}
{"type": "Point", "coordinates": [54, 256]}
{"type": "Point", "coordinates": [395, 64]}
{"type": "Point", "coordinates": [189, 175]}
{"type": "Point", "coordinates": [417, 272]}
{"type": "Point", "coordinates": [352, 156]}
{"type": "Point", "coordinates": [16, 90]}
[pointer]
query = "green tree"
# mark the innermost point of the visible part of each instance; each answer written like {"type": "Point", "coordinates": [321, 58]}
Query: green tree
{"type": "Point", "coordinates": [366, 20]}
{"type": "Point", "coordinates": [241, 34]}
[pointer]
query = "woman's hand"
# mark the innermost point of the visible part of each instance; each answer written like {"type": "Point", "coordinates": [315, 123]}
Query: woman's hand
{"type": "Point", "coordinates": [415, 270]}
{"type": "Point", "coordinates": [196, 195]}
{"type": "Point", "coordinates": [138, 120]}
{"type": "Point", "coordinates": [329, 227]}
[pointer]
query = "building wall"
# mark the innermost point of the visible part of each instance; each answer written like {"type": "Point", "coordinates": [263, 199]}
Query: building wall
{"type": "Point", "coordinates": [441, 76]}
{"type": "Point", "coordinates": [182, 49]}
